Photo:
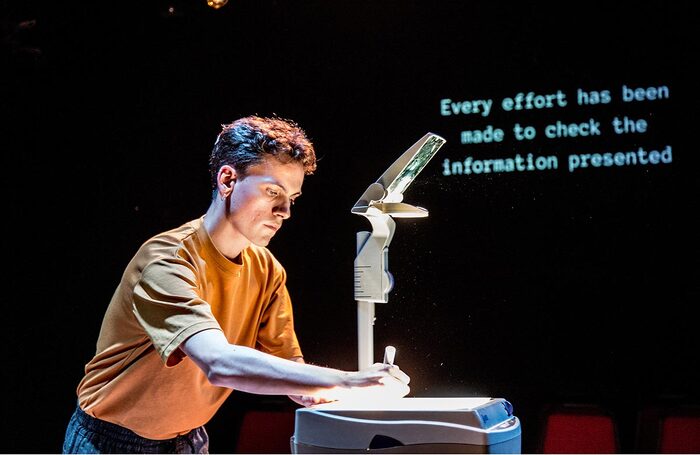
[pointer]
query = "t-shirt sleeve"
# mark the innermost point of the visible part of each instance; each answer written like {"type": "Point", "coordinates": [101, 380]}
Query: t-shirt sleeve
{"type": "Point", "coordinates": [276, 335]}
{"type": "Point", "coordinates": [168, 306]}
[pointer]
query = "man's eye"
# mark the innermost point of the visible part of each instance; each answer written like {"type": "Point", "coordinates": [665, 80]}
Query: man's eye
{"type": "Point", "coordinates": [272, 192]}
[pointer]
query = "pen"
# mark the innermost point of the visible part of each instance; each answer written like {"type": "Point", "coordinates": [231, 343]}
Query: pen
{"type": "Point", "coordinates": [389, 354]}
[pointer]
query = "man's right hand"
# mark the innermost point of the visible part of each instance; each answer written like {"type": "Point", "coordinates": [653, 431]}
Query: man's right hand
{"type": "Point", "coordinates": [379, 382]}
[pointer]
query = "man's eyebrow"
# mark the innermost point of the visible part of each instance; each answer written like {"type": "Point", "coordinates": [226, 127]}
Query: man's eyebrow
{"type": "Point", "coordinates": [297, 194]}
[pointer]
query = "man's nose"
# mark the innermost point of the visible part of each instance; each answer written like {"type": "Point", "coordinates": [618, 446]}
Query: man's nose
{"type": "Point", "coordinates": [283, 209]}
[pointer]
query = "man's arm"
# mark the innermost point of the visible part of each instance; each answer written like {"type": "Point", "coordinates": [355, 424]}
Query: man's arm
{"type": "Point", "coordinates": [252, 371]}
{"type": "Point", "coordinates": [305, 400]}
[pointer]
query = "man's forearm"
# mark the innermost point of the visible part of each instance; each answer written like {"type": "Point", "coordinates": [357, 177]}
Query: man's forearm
{"type": "Point", "coordinates": [252, 371]}
{"type": "Point", "coordinates": [249, 370]}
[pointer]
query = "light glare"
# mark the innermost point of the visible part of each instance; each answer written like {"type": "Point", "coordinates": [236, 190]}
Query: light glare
{"type": "Point", "coordinates": [216, 4]}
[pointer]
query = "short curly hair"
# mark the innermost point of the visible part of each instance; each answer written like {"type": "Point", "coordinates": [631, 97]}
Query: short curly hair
{"type": "Point", "coordinates": [249, 140]}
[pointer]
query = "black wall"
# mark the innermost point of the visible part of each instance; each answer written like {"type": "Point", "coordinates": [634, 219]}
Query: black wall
{"type": "Point", "coordinates": [540, 286]}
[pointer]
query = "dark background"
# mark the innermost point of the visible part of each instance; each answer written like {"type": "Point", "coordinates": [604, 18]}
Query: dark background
{"type": "Point", "coordinates": [538, 287]}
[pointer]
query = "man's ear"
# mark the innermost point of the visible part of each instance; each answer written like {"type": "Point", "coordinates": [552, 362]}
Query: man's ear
{"type": "Point", "coordinates": [225, 180]}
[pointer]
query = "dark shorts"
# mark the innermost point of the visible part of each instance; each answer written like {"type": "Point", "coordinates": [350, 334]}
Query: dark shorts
{"type": "Point", "coordinates": [86, 434]}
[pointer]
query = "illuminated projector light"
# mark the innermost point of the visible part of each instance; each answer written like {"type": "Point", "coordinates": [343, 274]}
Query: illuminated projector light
{"type": "Point", "coordinates": [216, 4]}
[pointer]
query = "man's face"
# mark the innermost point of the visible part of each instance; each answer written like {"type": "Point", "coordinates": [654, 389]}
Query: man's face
{"type": "Point", "coordinates": [262, 199]}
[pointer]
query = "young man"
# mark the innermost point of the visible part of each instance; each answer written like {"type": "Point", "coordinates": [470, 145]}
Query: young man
{"type": "Point", "coordinates": [203, 309]}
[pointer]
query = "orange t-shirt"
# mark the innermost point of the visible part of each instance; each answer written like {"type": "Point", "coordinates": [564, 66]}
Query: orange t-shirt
{"type": "Point", "coordinates": [176, 285]}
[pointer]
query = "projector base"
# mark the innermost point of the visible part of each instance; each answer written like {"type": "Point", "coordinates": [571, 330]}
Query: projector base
{"type": "Point", "coordinates": [510, 446]}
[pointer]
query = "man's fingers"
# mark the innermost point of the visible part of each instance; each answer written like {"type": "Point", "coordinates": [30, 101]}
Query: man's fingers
{"type": "Point", "coordinates": [393, 370]}
{"type": "Point", "coordinates": [396, 372]}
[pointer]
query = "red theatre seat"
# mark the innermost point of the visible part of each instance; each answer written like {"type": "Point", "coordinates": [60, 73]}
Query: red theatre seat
{"type": "Point", "coordinates": [266, 432]}
{"type": "Point", "coordinates": [680, 434]}
{"type": "Point", "coordinates": [669, 429]}
{"type": "Point", "coordinates": [579, 429]}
